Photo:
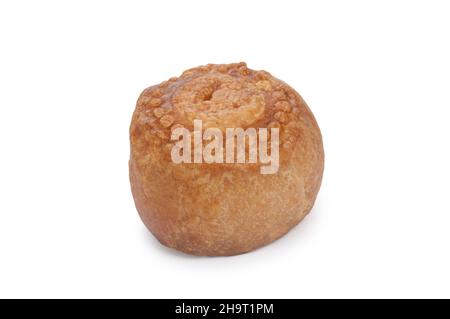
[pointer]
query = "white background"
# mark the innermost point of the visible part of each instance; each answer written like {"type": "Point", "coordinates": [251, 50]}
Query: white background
{"type": "Point", "coordinates": [375, 73]}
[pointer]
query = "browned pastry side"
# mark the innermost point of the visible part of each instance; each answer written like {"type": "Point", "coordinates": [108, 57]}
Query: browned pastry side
{"type": "Point", "coordinates": [223, 209]}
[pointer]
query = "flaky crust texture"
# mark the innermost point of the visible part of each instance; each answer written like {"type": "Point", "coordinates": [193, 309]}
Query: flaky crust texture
{"type": "Point", "coordinates": [223, 209]}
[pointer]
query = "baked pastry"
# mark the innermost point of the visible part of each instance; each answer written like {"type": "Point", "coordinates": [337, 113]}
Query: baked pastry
{"type": "Point", "coordinates": [227, 207]}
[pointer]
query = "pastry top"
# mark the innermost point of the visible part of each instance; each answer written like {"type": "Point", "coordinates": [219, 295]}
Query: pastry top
{"type": "Point", "coordinates": [222, 96]}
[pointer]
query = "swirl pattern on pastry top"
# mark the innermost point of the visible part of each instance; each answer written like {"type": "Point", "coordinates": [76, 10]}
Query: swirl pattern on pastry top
{"type": "Point", "coordinates": [222, 96]}
{"type": "Point", "coordinates": [219, 100]}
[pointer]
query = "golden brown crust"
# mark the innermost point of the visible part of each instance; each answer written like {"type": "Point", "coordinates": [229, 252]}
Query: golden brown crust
{"type": "Point", "coordinates": [223, 209]}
